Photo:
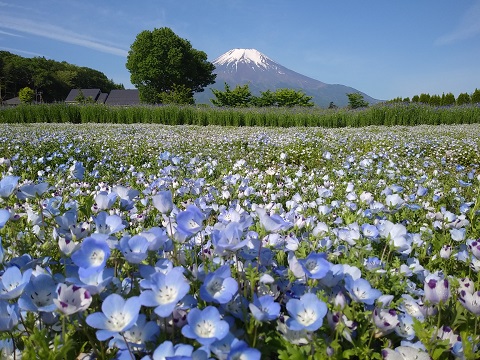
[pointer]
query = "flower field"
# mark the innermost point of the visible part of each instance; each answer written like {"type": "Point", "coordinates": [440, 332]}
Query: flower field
{"type": "Point", "coordinates": [175, 242]}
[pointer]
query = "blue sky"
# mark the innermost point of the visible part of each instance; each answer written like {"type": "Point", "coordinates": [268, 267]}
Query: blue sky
{"type": "Point", "coordinates": [383, 48]}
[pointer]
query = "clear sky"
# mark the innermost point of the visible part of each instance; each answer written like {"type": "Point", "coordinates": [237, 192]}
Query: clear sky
{"type": "Point", "coordinates": [382, 48]}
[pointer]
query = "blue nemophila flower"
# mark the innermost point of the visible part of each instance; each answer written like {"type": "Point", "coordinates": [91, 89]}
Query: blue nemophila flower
{"type": "Point", "coordinates": [4, 217]}
{"type": "Point", "coordinates": [189, 222]}
{"type": "Point", "coordinates": [360, 290]}
{"type": "Point", "coordinates": [71, 299]}
{"type": "Point", "coordinates": [8, 185]}
{"type": "Point", "coordinates": [8, 316]}
{"type": "Point", "coordinates": [104, 200]}
{"type": "Point", "coordinates": [163, 202]}
{"type": "Point", "coordinates": [31, 191]}
{"type": "Point", "coordinates": [13, 282]}
{"type": "Point", "coordinates": [272, 223]}
{"type": "Point", "coordinates": [205, 326]}
{"type": "Point", "coordinates": [436, 289]}
{"type": "Point", "coordinates": [165, 291]}
{"type": "Point", "coordinates": [39, 293]}
{"type": "Point", "coordinates": [137, 336]}
{"type": "Point", "coordinates": [93, 252]}
{"type": "Point", "coordinates": [306, 313]}
{"type": "Point", "coordinates": [264, 308]}
{"type": "Point", "coordinates": [458, 234]}
{"type": "Point", "coordinates": [77, 170]}
{"type": "Point", "coordinates": [405, 353]}
{"type": "Point", "coordinates": [118, 315]}
{"type": "Point", "coordinates": [134, 248]}
{"type": "Point", "coordinates": [315, 265]}
{"type": "Point", "coordinates": [240, 350]}
{"type": "Point", "coordinates": [228, 238]}
{"type": "Point", "coordinates": [108, 224]}
{"type": "Point", "coordinates": [219, 286]}
{"type": "Point", "coordinates": [167, 350]}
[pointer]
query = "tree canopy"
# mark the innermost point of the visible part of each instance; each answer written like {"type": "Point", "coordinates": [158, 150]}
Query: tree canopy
{"type": "Point", "coordinates": [355, 101]}
{"type": "Point", "coordinates": [241, 96]}
{"type": "Point", "coordinates": [52, 78]}
{"type": "Point", "coordinates": [161, 62]}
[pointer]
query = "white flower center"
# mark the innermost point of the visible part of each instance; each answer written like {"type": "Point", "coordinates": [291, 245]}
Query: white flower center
{"type": "Point", "coordinates": [117, 321]}
{"type": "Point", "coordinates": [167, 294]}
{"type": "Point", "coordinates": [215, 286]}
{"type": "Point", "coordinates": [306, 317]}
{"type": "Point", "coordinates": [205, 329]}
{"type": "Point", "coordinates": [311, 266]}
{"type": "Point", "coordinates": [97, 257]}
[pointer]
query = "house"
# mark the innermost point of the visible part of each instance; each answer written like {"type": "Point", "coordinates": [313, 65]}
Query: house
{"type": "Point", "coordinates": [123, 97]}
{"type": "Point", "coordinates": [12, 102]}
{"type": "Point", "coordinates": [128, 97]}
{"type": "Point", "coordinates": [87, 93]}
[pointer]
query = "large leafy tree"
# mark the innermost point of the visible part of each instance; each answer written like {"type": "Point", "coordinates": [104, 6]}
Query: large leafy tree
{"type": "Point", "coordinates": [355, 101]}
{"type": "Point", "coordinates": [240, 96]}
{"type": "Point", "coordinates": [160, 62]}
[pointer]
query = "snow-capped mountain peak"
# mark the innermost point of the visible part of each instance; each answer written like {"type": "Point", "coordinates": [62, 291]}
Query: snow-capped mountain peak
{"type": "Point", "coordinates": [247, 56]}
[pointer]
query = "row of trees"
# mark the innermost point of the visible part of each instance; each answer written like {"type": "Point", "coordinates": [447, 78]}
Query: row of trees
{"type": "Point", "coordinates": [49, 79]}
{"type": "Point", "coordinates": [241, 96]}
{"type": "Point", "coordinates": [443, 100]}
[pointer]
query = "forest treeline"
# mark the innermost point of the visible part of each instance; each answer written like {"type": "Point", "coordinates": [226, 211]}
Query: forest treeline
{"type": "Point", "coordinates": [447, 99]}
{"type": "Point", "coordinates": [51, 80]}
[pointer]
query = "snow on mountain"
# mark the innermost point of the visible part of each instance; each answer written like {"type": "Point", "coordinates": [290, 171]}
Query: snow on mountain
{"type": "Point", "coordinates": [235, 56]}
{"type": "Point", "coordinates": [261, 73]}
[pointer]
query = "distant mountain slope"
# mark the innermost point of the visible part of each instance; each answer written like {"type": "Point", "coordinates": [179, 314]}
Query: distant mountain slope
{"type": "Point", "coordinates": [250, 66]}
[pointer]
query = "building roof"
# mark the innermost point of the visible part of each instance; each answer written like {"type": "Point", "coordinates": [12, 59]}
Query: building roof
{"type": "Point", "coordinates": [12, 101]}
{"type": "Point", "coordinates": [123, 97]}
{"type": "Point", "coordinates": [101, 98]}
{"type": "Point", "coordinates": [93, 93]}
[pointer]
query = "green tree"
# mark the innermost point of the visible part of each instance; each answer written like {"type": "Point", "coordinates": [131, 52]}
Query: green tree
{"type": "Point", "coordinates": [416, 98]}
{"type": "Point", "coordinates": [435, 100]}
{"type": "Point", "coordinates": [159, 59]}
{"type": "Point", "coordinates": [424, 98]}
{"type": "Point", "coordinates": [290, 98]}
{"type": "Point", "coordinates": [240, 96]}
{"type": "Point", "coordinates": [266, 99]}
{"type": "Point", "coordinates": [475, 98]}
{"type": "Point", "coordinates": [332, 105]}
{"type": "Point", "coordinates": [179, 94]}
{"type": "Point", "coordinates": [448, 99]}
{"type": "Point", "coordinates": [26, 95]}
{"type": "Point", "coordinates": [463, 99]}
{"type": "Point", "coordinates": [355, 101]}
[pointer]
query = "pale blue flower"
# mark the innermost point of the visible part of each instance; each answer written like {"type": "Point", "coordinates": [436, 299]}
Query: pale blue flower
{"type": "Point", "coordinates": [167, 350]}
{"type": "Point", "coordinates": [306, 313]}
{"type": "Point", "coordinates": [9, 316]}
{"type": "Point", "coordinates": [137, 336]}
{"type": "Point", "coordinates": [77, 170]}
{"type": "Point", "coordinates": [13, 282]}
{"type": "Point", "coordinates": [134, 249]}
{"type": "Point", "coordinates": [163, 202]}
{"type": "Point", "coordinates": [189, 222]}
{"type": "Point", "coordinates": [360, 290]}
{"type": "Point", "coordinates": [93, 252]}
{"type": "Point", "coordinates": [4, 217]}
{"type": "Point", "coordinates": [219, 286]}
{"type": "Point", "coordinates": [8, 185]}
{"type": "Point", "coordinates": [31, 191]}
{"type": "Point", "coordinates": [264, 308]}
{"type": "Point", "coordinates": [272, 223]}
{"type": "Point", "coordinates": [165, 291]}
{"type": "Point", "coordinates": [315, 265]}
{"type": "Point", "coordinates": [39, 293]}
{"type": "Point", "coordinates": [118, 315]}
{"type": "Point", "coordinates": [240, 350]}
{"type": "Point", "coordinates": [108, 224]}
{"type": "Point", "coordinates": [205, 326]}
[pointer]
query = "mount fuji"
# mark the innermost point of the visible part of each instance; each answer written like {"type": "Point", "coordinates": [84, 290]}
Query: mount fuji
{"type": "Point", "coordinates": [250, 66]}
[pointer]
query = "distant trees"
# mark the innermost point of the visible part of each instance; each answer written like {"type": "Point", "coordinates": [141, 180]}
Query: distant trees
{"type": "Point", "coordinates": [241, 96]}
{"type": "Point", "coordinates": [52, 78]}
{"type": "Point", "coordinates": [165, 67]}
{"type": "Point", "coordinates": [355, 101]}
{"type": "Point", "coordinates": [447, 99]}
{"type": "Point", "coordinates": [26, 95]}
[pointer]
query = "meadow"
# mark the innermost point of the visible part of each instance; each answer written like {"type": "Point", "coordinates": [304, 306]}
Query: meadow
{"type": "Point", "coordinates": [389, 114]}
{"type": "Point", "coordinates": [153, 241]}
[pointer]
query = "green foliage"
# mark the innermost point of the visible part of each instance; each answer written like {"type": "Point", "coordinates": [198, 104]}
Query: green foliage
{"type": "Point", "coordinates": [448, 99]}
{"type": "Point", "coordinates": [38, 347]}
{"type": "Point", "coordinates": [158, 60]}
{"type": "Point", "coordinates": [475, 98]}
{"type": "Point", "coordinates": [26, 95]}
{"type": "Point", "coordinates": [463, 99]}
{"type": "Point", "coordinates": [355, 101]}
{"type": "Point", "coordinates": [54, 79]}
{"type": "Point", "coordinates": [240, 96]}
{"type": "Point", "coordinates": [179, 94]}
{"type": "Point", "coordinates": [424, 98]}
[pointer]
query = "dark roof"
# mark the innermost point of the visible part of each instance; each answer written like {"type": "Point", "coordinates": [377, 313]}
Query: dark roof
{"type": "Point", "coordinates": [93, 93]}
{"type": "Point", "coordinates": [12, 101]}
{"type": "Point", "coordinates": [123, 97]}
{"type": "Point", "coordinates": [101, 98]}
